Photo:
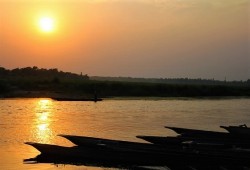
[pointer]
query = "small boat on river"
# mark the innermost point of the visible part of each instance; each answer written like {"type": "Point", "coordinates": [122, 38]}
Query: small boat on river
{"type": "Point", "coordinates": [76, 99]}
{"type": "Point", "coordinates": [197, 142]}
{"type": "Point", "coordinates": [118, 154]}
{"type": "Point", "coordinates": [196, 148]}
{"type": "Point", "coordinates": [241, 130]}
{"type": "Point", "coordinates": [196, 132]}
{"type": "Point", "coordinates": [141, 156]}
{"type": "Point", "coordinates": [93, 142]}
{"type": "Point", "coordinates": [90, 141]}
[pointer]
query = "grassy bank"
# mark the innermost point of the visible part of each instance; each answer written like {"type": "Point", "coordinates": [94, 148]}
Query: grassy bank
{"type": "Point", "coordinates": [88, 88]}
{"type": "Point", "coordinates": [34, 82]}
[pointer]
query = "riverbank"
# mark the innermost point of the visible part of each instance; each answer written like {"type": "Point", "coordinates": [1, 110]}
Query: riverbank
{"type": "Point", "coordinates": [34, 82]}
{"type": "Point", "coordinates": [74, 96]}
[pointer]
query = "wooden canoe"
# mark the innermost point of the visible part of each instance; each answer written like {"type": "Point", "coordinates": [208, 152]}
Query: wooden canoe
{"type": "Point", "coordinates": [241, 130]}
{"type": "Point", "coordinates": [196, 132]}
{"type": "Point", "coordinates": [140, 156]}
{"type": "Point", "coordinates": [198, 143]}
{"type": "Point", "coordinates": [76, 99]}
{"type": "Point", "coordinates": [93, 141]}
{"type": "Point", "coordinates": [108, 153]}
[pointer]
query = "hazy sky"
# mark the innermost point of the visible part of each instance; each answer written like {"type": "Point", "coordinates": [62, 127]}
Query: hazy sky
{"type": "Point", "coordinates": [136, 38]}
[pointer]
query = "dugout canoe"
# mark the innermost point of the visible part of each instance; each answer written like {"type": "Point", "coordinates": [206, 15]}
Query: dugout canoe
{"type": "Point", "coordinates": [241, 130]}
{"type": "Point", "coordinates": [76, 99]}
{"type": "Point", "coordinates": [198, 143]}
{"type": "Point", "coordinates": [121, 155]}
{"type": "Point", "coordinates": [197, 132]}
{"type": "Point", "coordinates": [93, 141]}
{"type": "Point", "coordinates": [109, 153]}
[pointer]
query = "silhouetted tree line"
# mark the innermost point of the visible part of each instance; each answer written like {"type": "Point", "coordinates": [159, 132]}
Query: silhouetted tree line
{"type": "Point", "coordinates": [32, 79]}
{"type": "Point", "coordinates": [138, 89]}
{"type": "Point", "coordinates": [41, 74]}
{"type": "Point", "coordinates": [190, 81]}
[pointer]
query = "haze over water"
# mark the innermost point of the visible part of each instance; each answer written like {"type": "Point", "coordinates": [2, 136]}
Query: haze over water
{"type": "Point", "coordinates": [40, 120]}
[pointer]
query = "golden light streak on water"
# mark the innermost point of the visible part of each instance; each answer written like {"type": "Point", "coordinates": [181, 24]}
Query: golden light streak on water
{"type": "Point", "coordinates": [42, 121]}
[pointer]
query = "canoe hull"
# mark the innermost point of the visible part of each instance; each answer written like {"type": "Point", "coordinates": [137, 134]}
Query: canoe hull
{"type": "Point", "coordinates": [77, 99]}
{"type": "Point", "coordinates": [140, 156]}
{"type": "Point", "coordinates": [93, 141]}
{"type": "Point", "coordinates": [195, 132]}
{"type": "Point", "coordinates": [238, 130]}
{"type": "Point", "coordinates": [107, 154]}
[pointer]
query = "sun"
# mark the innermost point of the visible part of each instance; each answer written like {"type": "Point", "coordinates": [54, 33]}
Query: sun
{"type": "Point", "coordinates": [46, 24]}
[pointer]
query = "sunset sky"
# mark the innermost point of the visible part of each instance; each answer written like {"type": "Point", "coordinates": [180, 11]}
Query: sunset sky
{"type": "Point", "coordinates": [136, 38]}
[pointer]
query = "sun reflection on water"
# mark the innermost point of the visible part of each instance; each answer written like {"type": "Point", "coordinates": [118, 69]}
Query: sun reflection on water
{"type": "Point", "coordinates": [42, 122]}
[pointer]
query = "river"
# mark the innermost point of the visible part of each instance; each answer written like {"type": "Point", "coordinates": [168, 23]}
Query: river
{"type": "Point", "coordinates": [41, 120]}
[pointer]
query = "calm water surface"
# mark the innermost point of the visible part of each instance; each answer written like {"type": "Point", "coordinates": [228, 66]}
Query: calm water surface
{"type": "Point", "coordinates": [41, 120]}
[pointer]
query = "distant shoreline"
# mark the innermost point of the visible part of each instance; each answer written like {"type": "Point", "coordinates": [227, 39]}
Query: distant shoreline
{"type": "Point", "coordinates": [78, 98]}
{"type": "Point", "coordinates": [178, 98]}
{"type": "Point", "coordinates": [33, 82]}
